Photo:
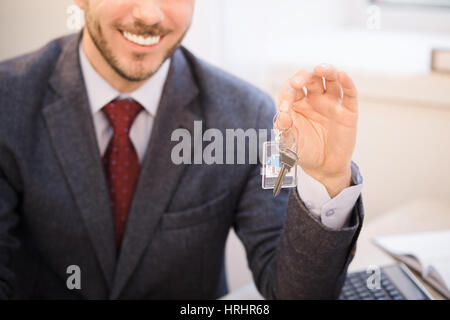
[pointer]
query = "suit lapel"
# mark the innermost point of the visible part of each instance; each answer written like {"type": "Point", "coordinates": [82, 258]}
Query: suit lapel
{"type": "Point", "coordinates": [159, 176]}
{"type": "Point", "coordinates": [70, 125]}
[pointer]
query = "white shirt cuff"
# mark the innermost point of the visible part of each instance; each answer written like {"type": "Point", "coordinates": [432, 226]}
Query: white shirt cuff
{"type": "Point", "coordinates": [332, 212]}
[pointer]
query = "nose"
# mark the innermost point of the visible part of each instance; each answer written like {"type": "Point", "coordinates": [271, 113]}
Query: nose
{"type": "Point", "coordinates": [148, 11]}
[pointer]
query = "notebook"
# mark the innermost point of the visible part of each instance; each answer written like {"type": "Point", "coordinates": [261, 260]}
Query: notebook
{"type": "Point", "coordinates": [428, 253]}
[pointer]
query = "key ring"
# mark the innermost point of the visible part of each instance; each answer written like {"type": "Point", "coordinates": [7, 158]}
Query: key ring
{"type": "Point", "coordinates": [286, 138]}
{"type": "Point", "coordinates": [275, 127]}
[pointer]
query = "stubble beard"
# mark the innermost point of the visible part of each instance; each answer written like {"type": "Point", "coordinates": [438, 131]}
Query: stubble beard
{"type": "Point", "coordinates": [95, 32]}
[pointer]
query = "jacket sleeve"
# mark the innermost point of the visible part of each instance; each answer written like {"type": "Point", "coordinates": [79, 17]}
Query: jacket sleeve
{"type": "Point", "coordinates": [8, 242]}
{"type": "Point", "coordinates": [291, 254]}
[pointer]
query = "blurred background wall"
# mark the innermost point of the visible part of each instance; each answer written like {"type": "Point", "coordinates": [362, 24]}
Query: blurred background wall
{"type": "Point", "coordinates": [403, 146]}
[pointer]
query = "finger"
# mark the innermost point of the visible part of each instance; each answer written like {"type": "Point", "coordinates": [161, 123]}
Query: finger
{"type": "Point", "coordinates": [350, 94]}
{"type": "Point", "coordinates": [330, 74]}
{"type": "Point", "coordinates": [315, 86]}
{"type": "Point", "coordinates": [301, 106]}
{"type": "Point", "coordinates": [289, 94]}
{"type": "Point", "coordinates": [304, 79]}
{"type": "Point", "coordinates": [299, 81]}
{"type": "Point", "coordinates": [284, 120]}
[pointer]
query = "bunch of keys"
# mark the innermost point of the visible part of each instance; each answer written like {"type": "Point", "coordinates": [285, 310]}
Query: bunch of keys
{"type": "Point", "coordinates": [279, 160]}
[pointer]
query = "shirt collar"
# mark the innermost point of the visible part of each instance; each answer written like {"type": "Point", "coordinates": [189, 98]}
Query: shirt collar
{"type": "Point", "coordinates": [100, 92]}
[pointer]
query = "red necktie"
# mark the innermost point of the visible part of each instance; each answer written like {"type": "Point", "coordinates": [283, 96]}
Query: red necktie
{"type": "Point", "coordinates": [121, 161]}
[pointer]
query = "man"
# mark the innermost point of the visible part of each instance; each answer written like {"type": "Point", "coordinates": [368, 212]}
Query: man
{"type": "Point", "coordinates": [87, 182]}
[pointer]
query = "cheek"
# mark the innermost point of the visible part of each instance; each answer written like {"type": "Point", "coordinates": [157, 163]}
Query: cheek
{"type": "Point", "coordinates": [110, 11]}
{"type": "Point", "coordinates": [179, 15]}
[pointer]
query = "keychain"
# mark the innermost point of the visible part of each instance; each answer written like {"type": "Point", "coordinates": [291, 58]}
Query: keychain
{"type": "Point", "coordinates": [280, 157]}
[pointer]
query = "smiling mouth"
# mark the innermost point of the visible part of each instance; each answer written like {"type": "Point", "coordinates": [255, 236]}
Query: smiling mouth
{"type": "Point", "coordinates": [141, 40]}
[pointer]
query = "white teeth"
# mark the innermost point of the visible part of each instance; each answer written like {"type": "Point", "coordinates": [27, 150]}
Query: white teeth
{"type": "Point", "coordinates": [141, 40]}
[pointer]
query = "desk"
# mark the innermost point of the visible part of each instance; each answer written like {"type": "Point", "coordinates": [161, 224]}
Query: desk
{"type": "Point", "coordinates": [416, 216]}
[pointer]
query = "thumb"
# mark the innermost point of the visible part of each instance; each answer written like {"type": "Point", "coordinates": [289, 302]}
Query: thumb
{"type": "Point", "coordinates": [284, 120]}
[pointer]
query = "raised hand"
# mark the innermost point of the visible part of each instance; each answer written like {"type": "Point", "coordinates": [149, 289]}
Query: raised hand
{"type": "Point", "coordinates": [323, 108]}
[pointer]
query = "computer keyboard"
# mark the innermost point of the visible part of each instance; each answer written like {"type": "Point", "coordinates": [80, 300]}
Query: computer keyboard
{"type": "Point", "coordinates": [355, 288]}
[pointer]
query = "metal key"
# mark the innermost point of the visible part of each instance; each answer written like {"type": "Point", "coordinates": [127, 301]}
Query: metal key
{"type": "Point", "coordinates": [288, 159]}
{"type": "Point", "coordinates": [288, 156]}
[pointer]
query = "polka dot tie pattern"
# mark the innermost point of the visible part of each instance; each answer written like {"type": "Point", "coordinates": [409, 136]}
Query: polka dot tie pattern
{"type": "Point", "coordinates": [121, 161]}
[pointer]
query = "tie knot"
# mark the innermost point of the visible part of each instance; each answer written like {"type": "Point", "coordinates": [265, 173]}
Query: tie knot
{"type": "Point", "coordinates": [121, 114]}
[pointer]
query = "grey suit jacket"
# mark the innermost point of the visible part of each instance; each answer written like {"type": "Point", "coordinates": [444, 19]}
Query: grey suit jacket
{"type": "Point", "coordinates": [55, 209]}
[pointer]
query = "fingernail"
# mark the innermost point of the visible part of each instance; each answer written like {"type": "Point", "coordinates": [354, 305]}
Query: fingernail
{"type": "Point", "coordinates": [284, 106]}
{"type": "Point", "coordinates": [298, 80]}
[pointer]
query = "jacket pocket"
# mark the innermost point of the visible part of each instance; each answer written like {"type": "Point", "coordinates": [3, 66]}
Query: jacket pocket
{"type": "Point", "coordinates": [216, 208]}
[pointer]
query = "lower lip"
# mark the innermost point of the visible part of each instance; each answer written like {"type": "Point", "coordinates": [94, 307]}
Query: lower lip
{"type": "Point", "coordinates": [139, 47]}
